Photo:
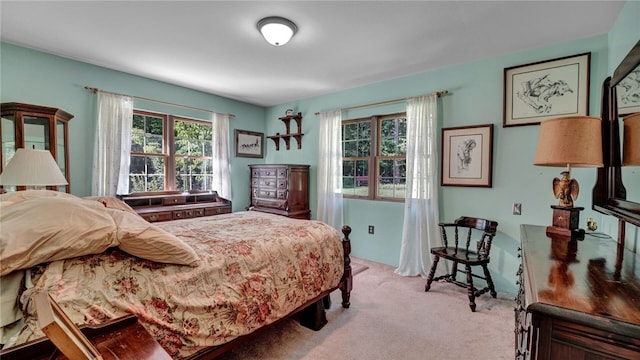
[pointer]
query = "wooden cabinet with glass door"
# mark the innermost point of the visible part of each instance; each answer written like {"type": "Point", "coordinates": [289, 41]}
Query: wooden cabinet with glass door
{"type": "Point", "coordinates": [35, 127]}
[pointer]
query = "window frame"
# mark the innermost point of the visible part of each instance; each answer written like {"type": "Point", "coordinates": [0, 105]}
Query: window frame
{"type": "Point", "coordinates": [375, 150]}
{"type": "Point", "coordinates": [169, 146]}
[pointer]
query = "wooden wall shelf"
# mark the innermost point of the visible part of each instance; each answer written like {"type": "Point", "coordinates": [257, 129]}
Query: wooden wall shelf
{"type": "Point", "coordinates": [288, 135]}
{"type": "Point", "coordinates": [287, 140]}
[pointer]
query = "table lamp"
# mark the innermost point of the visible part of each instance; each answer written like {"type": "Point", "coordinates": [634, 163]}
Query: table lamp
{"type": "Point", "coordinates": [631, 147]}
{"type": "Point", "coordinates": [35, 168]}
{"type": "Point", "coordinates": [571, 141]}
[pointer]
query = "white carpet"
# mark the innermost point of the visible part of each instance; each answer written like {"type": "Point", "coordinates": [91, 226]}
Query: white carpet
{"type": "Point", "coordinates": [391, 317]}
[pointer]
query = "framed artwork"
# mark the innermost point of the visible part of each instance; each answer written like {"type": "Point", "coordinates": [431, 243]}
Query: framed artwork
{"type": "Point", "coordinates": [547, 89]}
{"type": "Point", "coordinates": [628, 93]}
{"type": "Point", "coordinates": [249, 144]}
{"type": "Point", "coordinates": [467, 153]}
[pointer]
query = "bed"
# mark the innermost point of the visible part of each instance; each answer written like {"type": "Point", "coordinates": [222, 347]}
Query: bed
{"type": "Point", "coordinates": [197, 285]}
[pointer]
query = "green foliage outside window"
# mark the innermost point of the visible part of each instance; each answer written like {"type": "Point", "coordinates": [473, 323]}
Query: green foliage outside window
{"type": "Point", "coordinates": [192, 144]}
{"type": "Point", "coordinates": [193, 155]}
{"type": "Point", "coordinates": [389, 158]}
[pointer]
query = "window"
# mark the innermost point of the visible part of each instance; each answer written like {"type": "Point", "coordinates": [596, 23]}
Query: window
{"type": "Point", "coordinates": [152, 166]}
{"type": "Point", "coordinates": [374, 157]}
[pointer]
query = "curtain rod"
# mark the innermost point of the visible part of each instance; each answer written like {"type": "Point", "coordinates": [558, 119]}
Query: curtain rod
{"type": "Point", "coordinates": [437, 93]}
{"type": "Point", "coordinates": [95, 90]}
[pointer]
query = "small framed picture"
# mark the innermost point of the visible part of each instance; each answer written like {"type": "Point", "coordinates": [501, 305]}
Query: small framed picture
{"type": "Point", "coordinates": [249, 144]}
{"type": "Point", "coordinates": [546, 89]}
{"type": "Point", "coordinates": [467, 153]}
{"type": "Point", "coordinates": [628, 93]}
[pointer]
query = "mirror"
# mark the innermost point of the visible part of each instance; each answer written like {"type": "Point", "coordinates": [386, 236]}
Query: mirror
{"type": "Point", "coordinates": [609, 194]}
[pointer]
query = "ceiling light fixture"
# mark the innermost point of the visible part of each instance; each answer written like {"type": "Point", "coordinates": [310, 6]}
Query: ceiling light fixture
{"type": "Point", "coordinates": [277, 30]}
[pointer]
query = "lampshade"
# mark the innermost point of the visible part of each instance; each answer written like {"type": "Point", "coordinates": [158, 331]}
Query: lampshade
{"type": "Point", "coordinates": [32, 168]}
{"type": "Point", "coordinates": [574, 141]}
{"type": "Point", "coordinates": [277, 30]}
{"type": "Point", "coordinates": [631, 147]}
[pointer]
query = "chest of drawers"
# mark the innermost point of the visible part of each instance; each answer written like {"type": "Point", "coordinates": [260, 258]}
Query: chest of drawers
{"type": "Point", "coordinates": [281, 189]}
{"type": "Point", "coordinates": [577, 299]}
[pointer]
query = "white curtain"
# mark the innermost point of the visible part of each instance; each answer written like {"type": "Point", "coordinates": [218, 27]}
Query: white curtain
{"type": "Point", "coordinates": [330, 169]}
{"type": "Point", "coordinates": [221, 181]}
{"type": "Point", "coordinates": [112, 150]}
{"type": "Point", "coordinates": [420, 227]}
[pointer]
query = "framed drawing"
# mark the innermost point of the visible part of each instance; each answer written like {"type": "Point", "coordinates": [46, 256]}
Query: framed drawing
{"type": "Point", "coordinates": [628, 93]}
{"type": "Point", "coordinates": [547, 89]}
{"type": "Point", "coordinates": [467, 153]}
{"type": "Point", "coordinates": [249, 144]}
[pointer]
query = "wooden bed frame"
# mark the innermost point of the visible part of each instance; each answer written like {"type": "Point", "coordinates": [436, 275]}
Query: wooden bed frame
{"type": "Point", "coordinates": [311, 315]}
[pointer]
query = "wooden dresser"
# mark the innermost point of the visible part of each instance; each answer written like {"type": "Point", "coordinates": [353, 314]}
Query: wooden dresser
{"type": "Point", "coordinates": [281, 189]}
{"type": "Point", "coordinates": [578, 299]}
{"type": "Point", "coordinates": [174, 205]}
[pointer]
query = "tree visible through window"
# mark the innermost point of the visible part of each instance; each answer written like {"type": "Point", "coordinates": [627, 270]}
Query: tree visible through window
{"type": "Point", "coordinates": [374, 157]}
{"type": "Point", "coordinates": [154, 169]}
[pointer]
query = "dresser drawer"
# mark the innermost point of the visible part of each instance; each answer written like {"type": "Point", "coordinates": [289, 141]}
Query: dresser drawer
{"type": "Point", "coordinates": [267, 193]}
{"type": "Point", "coordinates": [158, 216]}
{"type": "Point", "coordinates": [188, 213]}
{"type": "Point", "coordinates": [268, 183]}
{"type": "Point", "coordinates": [275, 204]}
{"type": "Point", "coordinates": [265, 172]}
{"type": "Point", "coordinates": [174, 200]}
{"type": "Point", "coordinates": [217, 210]}
{"type": "Point", "coordinates": [283, 172]}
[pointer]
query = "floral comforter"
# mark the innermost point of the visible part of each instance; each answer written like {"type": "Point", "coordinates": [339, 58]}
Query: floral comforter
{"type": "Point", "coordinates": [255, 268]}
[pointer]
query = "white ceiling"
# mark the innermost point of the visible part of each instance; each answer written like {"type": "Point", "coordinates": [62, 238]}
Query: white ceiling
{"type": "Point", "coordinates": [214, 46]}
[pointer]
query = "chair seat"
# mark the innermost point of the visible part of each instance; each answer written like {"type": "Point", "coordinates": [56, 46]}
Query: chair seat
{"type": "Point", "coordinates": [461, 256]}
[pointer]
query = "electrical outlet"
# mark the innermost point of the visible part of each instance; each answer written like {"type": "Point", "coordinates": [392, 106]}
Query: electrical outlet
{"type": "Point", "coordinates": [371, 229]}
{"type": "Point", "coordinates": [517, 209]}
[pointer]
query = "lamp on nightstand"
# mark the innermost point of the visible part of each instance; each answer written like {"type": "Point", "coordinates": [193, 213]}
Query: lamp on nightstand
{"type": "Point", "coordinates": [572, 141]}
{"type": "Point", "coordinates": [35, 168]}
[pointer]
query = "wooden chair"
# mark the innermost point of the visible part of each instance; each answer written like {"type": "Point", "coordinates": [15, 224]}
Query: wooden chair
{"type": "Point", "coordinates": [478, 229]}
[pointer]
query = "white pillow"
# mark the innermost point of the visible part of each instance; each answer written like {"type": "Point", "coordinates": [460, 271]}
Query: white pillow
{"type": "Point", "coordinates": [52, 228]}
{"type": "Point", "coordinates": [45, 229]}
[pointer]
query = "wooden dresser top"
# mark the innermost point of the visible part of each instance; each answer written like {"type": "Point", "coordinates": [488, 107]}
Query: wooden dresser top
{"type": "Point", "coordinates": [589, 277]}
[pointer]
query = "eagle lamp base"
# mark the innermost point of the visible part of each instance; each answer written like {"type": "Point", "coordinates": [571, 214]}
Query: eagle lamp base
{"type": "Point", "coordinates": [566, 222]}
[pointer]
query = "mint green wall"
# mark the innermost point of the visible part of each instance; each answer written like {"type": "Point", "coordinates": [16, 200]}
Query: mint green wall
{"type": "Point", "coordinates": [34, 77]}
{"type": "Point", "coordinates": [475, 98]}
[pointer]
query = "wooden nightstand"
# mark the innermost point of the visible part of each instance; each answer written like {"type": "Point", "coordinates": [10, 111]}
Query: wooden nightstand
{"type": "Point", "coordinates": [123, 338]}
{"type": "Point", "coordinates": [174, 205]}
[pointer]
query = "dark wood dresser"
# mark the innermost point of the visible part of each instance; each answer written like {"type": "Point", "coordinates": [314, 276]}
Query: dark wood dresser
{"type": "Point", "coordinates": [174, 205]}
{"type": "Point", "coordinates": [281, 189]}
{"type": "Point", "coordinates": [578, 299]}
